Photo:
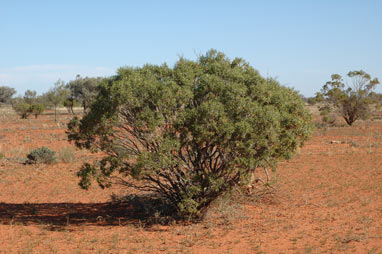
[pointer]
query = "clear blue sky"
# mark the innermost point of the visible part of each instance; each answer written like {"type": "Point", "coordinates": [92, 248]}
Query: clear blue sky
{"type": "Point", "coordinates": [300, 42]}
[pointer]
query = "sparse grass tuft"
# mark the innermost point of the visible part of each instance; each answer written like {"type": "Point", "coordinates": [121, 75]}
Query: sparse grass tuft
{"type": "Point", "coordinates": [67, 154]}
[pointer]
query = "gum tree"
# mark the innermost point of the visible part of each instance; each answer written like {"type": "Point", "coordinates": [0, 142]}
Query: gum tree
{"type": "Point", "coordinates": [189, 133]}
{"type": "Point", "coordinates": [30, 96]}
{"type": "Point", "coordinates": [6, 94]}
{"type": "Point", "coordinates": [352, 99]}
{"type": "Point", "coordinates": [83, 90]}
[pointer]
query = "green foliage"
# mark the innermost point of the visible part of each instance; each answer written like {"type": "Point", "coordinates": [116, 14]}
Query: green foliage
{"type": "Point", "coordinates": [25, 106]}
{"type": "Point", "coordinates": [57, 95]}
{"type": "Point", "coordinates": [311, 100]}
{"type": "Point", "coordinates": [41, 155]}
{"type": "Point", "coordinates": [328, 117]}
{"type": "Point", "coordinates": [6, 94]}
{"type": "Point", "coordinates": [37, 109]}
{"type": "Point", "coordinates": [353, 99]}
{"type": "Point", "coordinates": [23, 109]}
{"type": "Point", "coordinates": [189, 133]}
{"type": "Point", "coordinates": [30, 97]}
{"type": "Point", "coordinates": [84, 90]}
{"type": "Point", "coordinates": [69, 104]}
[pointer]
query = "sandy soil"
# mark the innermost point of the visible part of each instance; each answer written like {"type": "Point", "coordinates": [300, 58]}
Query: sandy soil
{"type": "Point", "coordinates": [327, 199]}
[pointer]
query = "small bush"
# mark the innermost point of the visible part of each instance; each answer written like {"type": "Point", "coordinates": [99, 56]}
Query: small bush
{"type": "Point", "coordinates": [23, 109]}
{"type": "Point", "coordinates": [41, 155]}
{"type": "Point", "coordinates": [330, 119]}
{"type": "Point", "coordinates": [327, 116]}
{"type": "Point", "coordinates": [37, 109]}
{"type": "Point", "coordinates": [66, 154]}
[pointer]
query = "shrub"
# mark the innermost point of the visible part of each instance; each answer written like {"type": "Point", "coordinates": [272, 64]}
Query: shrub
{"type": "Point", "coordinates": [327, 116]}
{"type": "Point", "coordinates": [23, 109]}
{"type": "Point", "coordinates": [37, 109]}
{"type": "Point", "coordinates": [189, 133]}
{"type": "Point", "coordinates": [41, 155]}
{"type": "Point", "coordinates": [311, 100]}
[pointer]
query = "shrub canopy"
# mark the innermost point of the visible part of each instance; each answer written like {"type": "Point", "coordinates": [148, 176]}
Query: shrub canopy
{"type": "Point", "coordinates": [23, 109]}
{"type": "Point", "coordinates": [191, 132]}
{"type": "Point", "coordinates": [37, 109]}
{"type": "Point", "coordinates": [41, 155]}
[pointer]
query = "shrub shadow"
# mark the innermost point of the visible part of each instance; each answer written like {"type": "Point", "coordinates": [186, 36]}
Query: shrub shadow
{"type": "Point", "coordinates": [141, 211]}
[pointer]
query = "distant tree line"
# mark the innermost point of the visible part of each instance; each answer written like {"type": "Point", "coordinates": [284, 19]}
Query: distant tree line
{"type": "Point", "coordinates": [351, 98]}
{"type": "Point", "coordinates": [75, 93]}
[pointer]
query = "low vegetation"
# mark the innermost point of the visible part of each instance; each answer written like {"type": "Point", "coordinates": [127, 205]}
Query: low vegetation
{"type": "Point", "coordinates": [41, 155]}
{"type": "Point", "coordinates": [67, 154]}
{"type": "Point", "coordinates": [23, 109]}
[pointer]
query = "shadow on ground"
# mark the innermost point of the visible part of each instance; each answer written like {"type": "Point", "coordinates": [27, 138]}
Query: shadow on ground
{"type": "Point", "coordinates": [141, 212]}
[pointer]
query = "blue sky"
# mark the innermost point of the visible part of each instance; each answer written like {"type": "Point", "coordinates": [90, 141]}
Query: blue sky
{"type": "Point", "coordinates": [300, 42]}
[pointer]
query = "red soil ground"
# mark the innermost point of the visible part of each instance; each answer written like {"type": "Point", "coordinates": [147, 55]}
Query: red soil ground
{"type": "Point", "coordinates": [327, 199]}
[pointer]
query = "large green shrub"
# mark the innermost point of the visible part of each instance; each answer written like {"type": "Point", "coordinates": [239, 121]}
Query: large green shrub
{"type": "Point", "coordinates": [189, 133]}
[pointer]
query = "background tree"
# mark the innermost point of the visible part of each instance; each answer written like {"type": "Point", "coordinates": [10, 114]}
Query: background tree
{"type": "Point", "coordinates": [69, 105]}
{"type": "Point", "coordinates": [351, 99]}
{"type": "Point", "coordinates": [30, 97]}
{"type": "Point", "coordinates": [57, 95]}
{"type": "Point", "coordinates": [377, 97]}
{"type": "Point", "coordinates": [84, 90]}
{"type": "Point", "coordinates": [189, 133]}
{"type": "Point", "coordinates": [6, 94]}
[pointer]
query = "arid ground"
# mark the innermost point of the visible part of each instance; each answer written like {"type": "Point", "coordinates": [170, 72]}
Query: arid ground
{"type": "Point", "coordinates": [327, 199]}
